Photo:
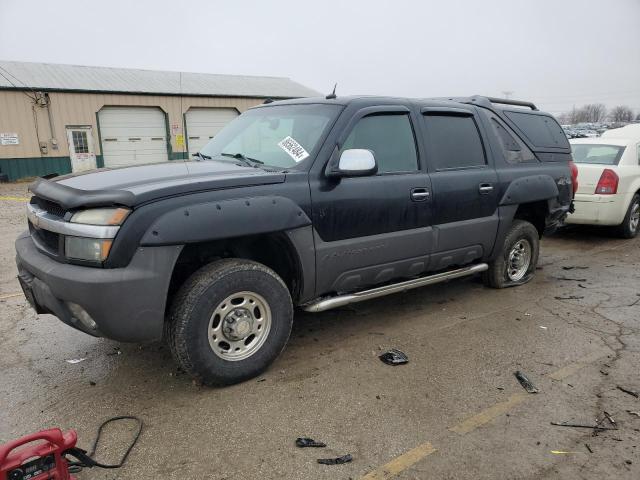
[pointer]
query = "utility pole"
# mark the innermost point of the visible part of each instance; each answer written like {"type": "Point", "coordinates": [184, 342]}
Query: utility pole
{"type": "Point", "coordinates": [507, 94]}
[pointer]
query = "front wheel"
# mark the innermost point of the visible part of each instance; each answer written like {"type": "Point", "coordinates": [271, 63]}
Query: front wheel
{"type": "Point", "coordinates": [229, 321]}
{"type": "Point", "coordinates": [516, 263]}
{"type": "Point", "coordinates": [629, 226]}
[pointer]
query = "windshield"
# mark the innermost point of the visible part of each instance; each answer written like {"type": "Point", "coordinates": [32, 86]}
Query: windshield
{"type": "Point", "coordinates": [280, 136]}
{"type": "Point", "coordinates": [597, 153]}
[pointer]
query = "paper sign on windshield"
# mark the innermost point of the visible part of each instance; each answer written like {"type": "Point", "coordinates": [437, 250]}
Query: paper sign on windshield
{"type": "Point", "coordinates": [294, 149]}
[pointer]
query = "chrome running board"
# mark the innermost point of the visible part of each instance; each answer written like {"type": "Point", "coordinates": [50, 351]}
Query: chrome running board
{"type": "Point", "coordinates": [328, 303]}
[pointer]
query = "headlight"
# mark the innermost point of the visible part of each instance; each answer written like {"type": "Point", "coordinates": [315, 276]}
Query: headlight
{"type": "Point", "coordinates": [101, 216]}
{"type": "Point", "coordinates": [90, 249]}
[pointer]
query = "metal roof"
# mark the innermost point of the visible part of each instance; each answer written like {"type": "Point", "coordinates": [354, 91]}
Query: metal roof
{"type": "Point", "coordinates": [49, 76]}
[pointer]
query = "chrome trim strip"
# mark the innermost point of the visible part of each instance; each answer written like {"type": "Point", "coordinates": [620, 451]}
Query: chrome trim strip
{"type": "Point", "coordinates": [327, 303]}
{"type": "Point", "coordinates": [45, 221]}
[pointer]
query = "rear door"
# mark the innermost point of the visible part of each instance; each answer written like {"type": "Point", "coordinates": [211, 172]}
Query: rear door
{"type": "Point", "coordinates": [464, 184]}
{"type": "Point", "coordinates": [373, 229]}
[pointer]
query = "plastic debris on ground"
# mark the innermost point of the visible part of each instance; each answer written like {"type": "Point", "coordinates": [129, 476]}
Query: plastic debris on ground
{"type": "Point", "coordinates": [394, 357]}
{"type": "Point", "coordinates": [525, 382]}
{"type": "Point", "coordinates": [336, 461]}
{"type": "Point", "coordinates": [303, 442]}
{"type": "Point", "coordinates": [75, 360]}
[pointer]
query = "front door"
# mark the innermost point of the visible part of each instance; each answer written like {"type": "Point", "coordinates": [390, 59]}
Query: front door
{"type": "Point", "coordinates": [81, 151]}
{"type": "Point", "coordinates": [374, 229]}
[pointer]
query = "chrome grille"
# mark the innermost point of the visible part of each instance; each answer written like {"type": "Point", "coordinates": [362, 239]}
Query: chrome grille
{"type": "Point", "coordinates": [49, 207]}
{"type": "Point", "coordinates": [46, 240]}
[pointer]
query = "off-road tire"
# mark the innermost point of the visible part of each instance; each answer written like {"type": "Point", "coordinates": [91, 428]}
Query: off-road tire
{"type": "Point", "coordinates": [187, 329]}
{"type": "Point", "coordinates": [625, 229]}
{"type": "Point", "coordinates": [497, 276]}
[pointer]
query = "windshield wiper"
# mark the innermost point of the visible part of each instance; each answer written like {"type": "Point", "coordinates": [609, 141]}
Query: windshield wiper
{"type": "Point", "coordinates": [252, 162]}
{"type": "Point", "coordinates": [201, 156]}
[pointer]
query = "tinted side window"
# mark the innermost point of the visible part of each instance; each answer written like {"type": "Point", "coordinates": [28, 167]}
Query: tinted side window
{"type": "Point", "coordinates": [541, 130]}
{"type": "Point", "coordinates": [514, 149]}
{"type": "Point", "coordinates": [454, 142]}
{"type": "Point", "coordinates": [390, 138]}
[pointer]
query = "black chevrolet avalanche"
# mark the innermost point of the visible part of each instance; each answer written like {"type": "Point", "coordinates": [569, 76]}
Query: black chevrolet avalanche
{"type": "Point", "coordinates": [312, 203]}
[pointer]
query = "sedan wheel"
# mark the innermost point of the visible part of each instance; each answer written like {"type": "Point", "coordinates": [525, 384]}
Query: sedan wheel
{"type": "Point", "coordinates": [634, 219]}
{"type": "Point", "coordinates": [631, 223]}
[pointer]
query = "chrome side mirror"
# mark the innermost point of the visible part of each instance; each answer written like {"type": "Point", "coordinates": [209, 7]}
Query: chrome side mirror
{"type": "Point", "coordinates": [356, 162]}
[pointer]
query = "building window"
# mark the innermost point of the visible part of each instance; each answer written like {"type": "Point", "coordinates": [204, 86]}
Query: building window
{"type": "Point", "coordinates": [80, 144]}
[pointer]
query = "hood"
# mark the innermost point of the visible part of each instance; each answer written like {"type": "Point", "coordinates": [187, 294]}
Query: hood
{"type": "Point", "coordinates": [131, 186]}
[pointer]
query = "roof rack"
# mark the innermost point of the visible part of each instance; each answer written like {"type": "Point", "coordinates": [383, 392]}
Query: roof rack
{"type": "Point", "coordinates": [508, 101]}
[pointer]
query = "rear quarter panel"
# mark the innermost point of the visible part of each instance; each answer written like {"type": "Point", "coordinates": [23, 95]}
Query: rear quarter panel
{"type": "Point", "coordinates": [628, 171]}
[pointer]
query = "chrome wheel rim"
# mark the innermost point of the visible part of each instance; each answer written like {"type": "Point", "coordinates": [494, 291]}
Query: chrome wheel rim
{"type": "Point", "coordinates": [634, 218]}
{"type": "Point", "coordinates": [239, 326]}
{"type": "Point", "coordinates": [519, 260]}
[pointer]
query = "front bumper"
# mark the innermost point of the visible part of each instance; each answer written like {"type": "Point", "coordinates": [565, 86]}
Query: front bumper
{"type": "Point", "coordinates": [127, 304]}
{"type": "Point", "coordinates": [598, 210]}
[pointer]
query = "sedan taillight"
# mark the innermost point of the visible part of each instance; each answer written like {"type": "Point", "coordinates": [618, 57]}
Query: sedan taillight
{"type": "Point", "coordinates": [608, 183]}
{"type": "Point", "coordinates": [574, 177]}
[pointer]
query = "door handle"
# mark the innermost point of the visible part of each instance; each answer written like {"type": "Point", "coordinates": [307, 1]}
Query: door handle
{"type": "Point", "coordinates": [485, 188]}
{"type": "Point", "coordinates": [420, 194]}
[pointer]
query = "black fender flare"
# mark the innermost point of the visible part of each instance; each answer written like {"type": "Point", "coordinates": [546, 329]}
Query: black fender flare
{"type": "Point", "coordinates": [530, 189]}
{"type": "Point", "coordinates": [217, 220]}
{"type": "Point", "coordinates": [534, 188]}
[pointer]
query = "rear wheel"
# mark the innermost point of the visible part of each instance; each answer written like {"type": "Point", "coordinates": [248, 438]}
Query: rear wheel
{"type": "Point", "coordinates": [229, 321]}
{"type": "Point", "coordinates": [516, 263]}
{"type": "Point", "coordinates": [629, 226]}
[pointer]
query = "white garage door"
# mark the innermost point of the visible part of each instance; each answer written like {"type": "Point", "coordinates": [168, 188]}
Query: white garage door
{"type": "Point", "coordinates": [132, 135]}
{"type": "Point", "coordinates": [204, 123]}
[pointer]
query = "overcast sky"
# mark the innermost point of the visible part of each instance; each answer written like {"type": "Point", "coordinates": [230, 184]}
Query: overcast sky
{"type": "Point", "coordinates": [556, 53]}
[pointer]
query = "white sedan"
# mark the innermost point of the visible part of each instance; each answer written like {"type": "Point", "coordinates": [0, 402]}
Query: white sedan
{"type": "Point", "coordinates": [608, 180]}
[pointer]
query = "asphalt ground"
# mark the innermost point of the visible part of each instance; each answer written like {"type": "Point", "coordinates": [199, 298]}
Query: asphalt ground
{"type": "Point", "coordinates": [455, 411]}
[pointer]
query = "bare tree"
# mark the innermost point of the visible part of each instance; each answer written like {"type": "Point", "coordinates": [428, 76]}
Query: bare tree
{"type": "Point", "coordinates": [591, 113]}
{"type": "Point", "coordinates": [594, 112]}
{"type": "Point", "coordinates": [621, 113]}
{"type": "Point", "coordinates": [572, 117]}
{"type": "Point", "coordinates": [580, 115]}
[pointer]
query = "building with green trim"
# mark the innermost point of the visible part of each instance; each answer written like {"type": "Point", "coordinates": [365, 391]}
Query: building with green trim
{"type": "Point", "coordinates": [57, 119]}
